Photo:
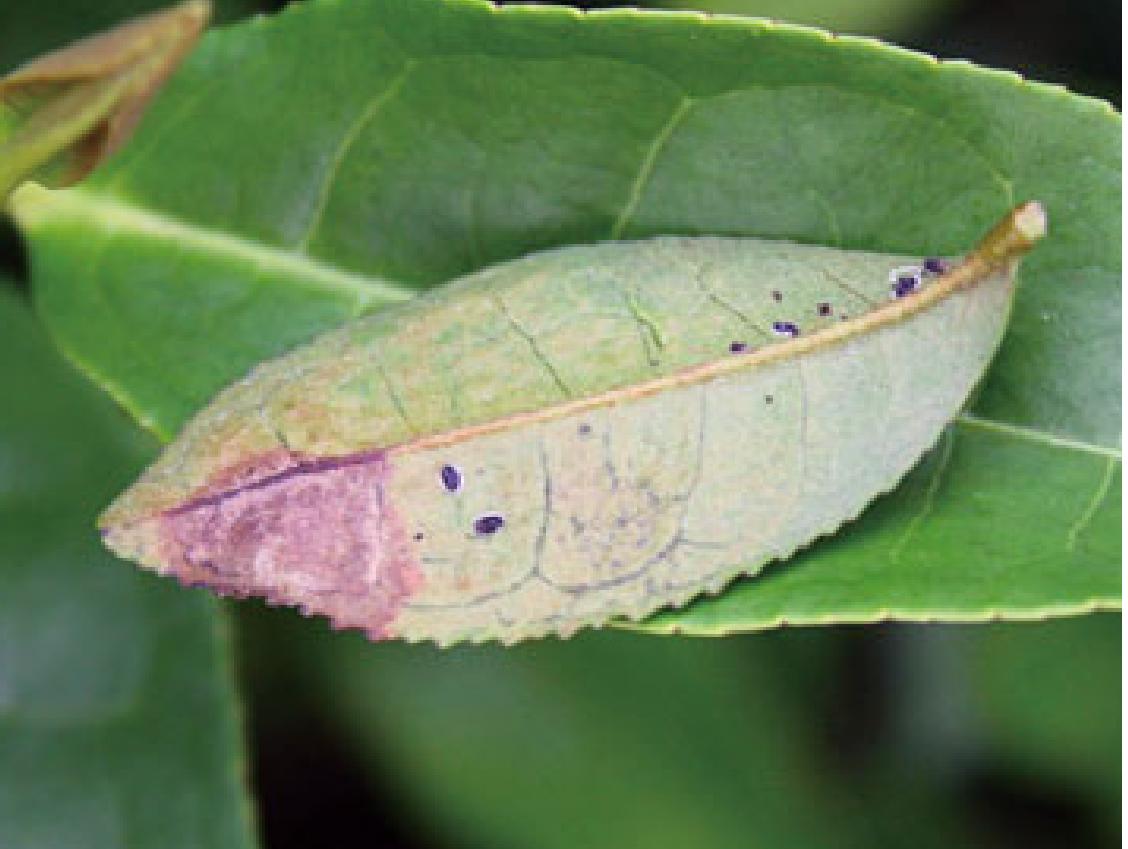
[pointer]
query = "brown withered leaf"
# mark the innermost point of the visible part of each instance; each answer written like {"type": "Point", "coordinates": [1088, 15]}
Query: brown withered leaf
{"type": "Point", "coordinates": [63, 113]}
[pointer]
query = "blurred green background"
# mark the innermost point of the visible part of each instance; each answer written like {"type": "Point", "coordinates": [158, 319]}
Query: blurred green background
{"type": "Point", "coordinates": [878, 736]}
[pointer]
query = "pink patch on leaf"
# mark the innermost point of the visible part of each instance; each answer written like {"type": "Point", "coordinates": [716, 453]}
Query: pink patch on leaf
{"type": "Point", "coordinates": [318, 534]}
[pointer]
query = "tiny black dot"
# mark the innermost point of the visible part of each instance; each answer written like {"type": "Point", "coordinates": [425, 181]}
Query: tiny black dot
{"type": "Point", "coordinates": [777, 295]}
{"type": "Point", "coordinates": [768, 399]}
{"type": "Point", "coordinates": [824, 308]}
{"type": "Point", "coordinates": [738, 347]}
{"type": "Point", "coordinates": [584, 429]}
{"type": "Point", "coordinates": [419, 537]}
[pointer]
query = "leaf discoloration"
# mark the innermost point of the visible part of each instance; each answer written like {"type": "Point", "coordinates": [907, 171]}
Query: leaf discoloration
{"type": "Point", "coordinates": [655, 482]}
{"type": "Point", "coordinates": [317, 534]}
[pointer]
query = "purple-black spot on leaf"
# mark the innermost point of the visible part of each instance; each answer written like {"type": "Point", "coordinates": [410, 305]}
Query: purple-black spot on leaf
{"type": "Point", "coordinates": [452, 478]}
{"type": "Point", "coordinates": [904, 286]}
{"type": "Point", "coordinates": [488, 524]}
{"type": "Point", "coordinates": [824, 309]}
{"type": "Point", "coordinates": [785, 328]}
{"type": "Point", "coordinates": [777, 295]}
{"type": "Point", "coordinates": [935, 265]}
{"type": "Point", "coordinates": [738, 347]}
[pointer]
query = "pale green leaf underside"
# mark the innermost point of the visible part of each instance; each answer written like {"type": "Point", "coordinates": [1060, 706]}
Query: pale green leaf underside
{"type": "Point", "coordinates": [463, 135]}
{"type": "Point", "coordinates": [589, 403]}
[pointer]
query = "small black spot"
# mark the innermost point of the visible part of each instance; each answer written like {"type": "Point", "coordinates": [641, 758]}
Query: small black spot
{"type": "Point", "coordinates": [584, 429]}
{"type": "Point", "coordinates": [452, 478]}
{"type": "Point", "coordinates": [768, 399]}
{"type": "Point", "coordinates": [824, 309]}
{"type": "Point", "coordinates": [738, 347]}
{"type": "Point", "coordinates": [419, 537]}
{"type": "Point", "coordinates": [785, 328]}
{"type": "Point", "coordinates": [491, 523]}
{"type": "Point", "coordinates": [935, 265]}
{"type": "Point", "coordinates": [777, 296]}
{"type": "Point", "coordinates": [905, 285]}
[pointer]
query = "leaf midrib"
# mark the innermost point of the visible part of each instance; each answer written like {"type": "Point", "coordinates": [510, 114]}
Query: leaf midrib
{"type": "Point", "coordinates": [33, 205]}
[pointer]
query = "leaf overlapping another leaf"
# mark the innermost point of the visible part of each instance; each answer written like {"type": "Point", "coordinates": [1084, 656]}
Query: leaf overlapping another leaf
{"type": "Point", "coordinates": [460, 134]}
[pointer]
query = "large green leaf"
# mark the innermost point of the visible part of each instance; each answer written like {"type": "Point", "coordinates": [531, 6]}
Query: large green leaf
{"type": "Point", "coordinates": [254, 210]}
{"type": "Point", "coordinates": [117, 718]}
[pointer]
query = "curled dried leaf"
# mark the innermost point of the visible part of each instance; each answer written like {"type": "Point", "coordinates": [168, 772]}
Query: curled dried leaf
{"type": "Point", "coordinates": [63, 113]}
{"type": "Point", "coordinates": [586, 433]}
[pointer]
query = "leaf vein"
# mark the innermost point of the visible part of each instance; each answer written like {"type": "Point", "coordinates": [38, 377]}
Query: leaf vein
{"type": "Point", "coordinates": [37, 205]}
{"type": "Point", "coordinates": [646, 168]}
{"type": "Point", "coordinates": [366, 116]}
{"type": "Point", "coordinates": [1095, 504]}
{"type": "Point", "coordinates": [531, 340]}
{"type": "Point", "coordinates": [929, 501]}
{"type": "Point", "coordinates": [1032, 435]}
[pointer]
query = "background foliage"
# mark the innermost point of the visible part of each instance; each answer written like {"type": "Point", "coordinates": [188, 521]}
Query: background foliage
{"type": "Point", "coordinates": [990, 736]}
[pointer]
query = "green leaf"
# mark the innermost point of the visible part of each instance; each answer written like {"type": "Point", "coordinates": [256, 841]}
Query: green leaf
{"type": "Point", "coordinates": [459, 135]}
{"type": "Point", "coordinates": [118, 723]}
{"type": "Point", "coordinates": [870, 17]}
